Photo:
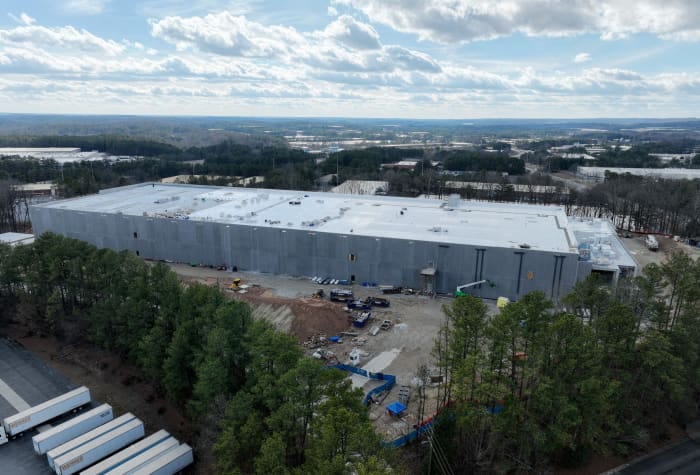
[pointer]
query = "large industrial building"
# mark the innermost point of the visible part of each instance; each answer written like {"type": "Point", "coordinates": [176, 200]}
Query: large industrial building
{"type": "Point", "coordinates": [435, 245]}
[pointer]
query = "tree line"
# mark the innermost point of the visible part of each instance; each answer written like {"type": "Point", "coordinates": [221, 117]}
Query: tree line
{"type": "Point", "coordinates": [642, 204]}
{"type": "Point", "coordinates": [259, 404]}
{"type": "Point", "coordinates": [608, 372]}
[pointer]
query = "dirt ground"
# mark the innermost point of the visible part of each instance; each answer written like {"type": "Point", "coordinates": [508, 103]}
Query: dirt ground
{"type": "Point", "coordinates": [286, 302]}
{"type": "Point", "coordinates": [636, 247]}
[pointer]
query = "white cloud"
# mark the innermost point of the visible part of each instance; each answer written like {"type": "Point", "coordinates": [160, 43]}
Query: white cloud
{"type": "Point", "coordinates": [352, 33]}
{"type": "Point", "coordinates": [332, 11]}
{"type": "Point", "coordinates": [226, 34]}
{"type": "Point", "coordinates": [582, 58]}
{"type": "Point", "coordinates": [22, 19]}
{"type": "Point", "coordinates": [221, 62]}
{"type": "Point", "coordinates": [456, 21]}
{"type": "Point", "coordinates": [26, 19]}
{"type": "Point", "coordinates": [62, 37]}
{"type": "Point", "coordinates": [345, 45]}
{"type": "Point", "coordinates": [86, 7]}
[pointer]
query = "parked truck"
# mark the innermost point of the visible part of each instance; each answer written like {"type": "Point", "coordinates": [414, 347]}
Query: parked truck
{"type": "Point", "coordinates": [651, 242]}
{"type": "Point", "coordinates": [81, 440]}
{"type": "Point", "coordinates": [71, 429]}
{"type": "Point", "coordinates": [169, 463]}
{"type": "Point", "coordinates": [15, 425]}
{"type": "Point", "coordinates": [99, 448]}
{"type": "Point", "coordinates": [341, 295]}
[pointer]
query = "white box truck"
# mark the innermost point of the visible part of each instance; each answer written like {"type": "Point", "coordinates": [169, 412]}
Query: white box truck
{"type": "Point", "coordinates": [169, 463]}
{"type": "Point", "coordinates": [119, 462]}
{"type": "Point", "coordinates": [13, 426]}
{"type": "Point", "coordinates": [71, 429]}
{"type": "Point", "coordinates": [81, 440]}
{"type": "Point", "coordinates": [99, 448]}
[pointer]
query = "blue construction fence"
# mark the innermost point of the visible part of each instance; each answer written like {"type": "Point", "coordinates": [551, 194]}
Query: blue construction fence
{"type": "Point", "coordinates": [390, 382]}
{"type": "Point", "coordinates": [389, 378]}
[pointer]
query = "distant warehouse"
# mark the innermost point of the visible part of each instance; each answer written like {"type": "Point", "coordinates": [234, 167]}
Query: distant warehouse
{"type": "Point", "coordinates": [434, 245]}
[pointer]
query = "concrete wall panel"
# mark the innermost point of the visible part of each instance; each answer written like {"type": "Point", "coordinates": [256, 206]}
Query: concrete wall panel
{"type": "Point", "coordinates": [306, 252]}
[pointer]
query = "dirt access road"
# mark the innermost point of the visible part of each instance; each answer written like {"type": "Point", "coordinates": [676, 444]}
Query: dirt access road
{"type": "Point", "coordinates": [636, 247]}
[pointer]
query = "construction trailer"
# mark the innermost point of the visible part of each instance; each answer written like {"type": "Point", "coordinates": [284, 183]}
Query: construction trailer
{"type": "Point", "coordinates": [87, 437]}
{"type": "Point", "coordinates": [168, 463]}
{"type": "Point", "coordinates": [134, 456]}
{"type": "Point", "coordinates": [72, 428]}
{"type": "Point", "coordinates": [16, 424]}
{"type": "Point", "coordinates": [99, 448]}
{"type": "Point", "coordinates": [517, 248]}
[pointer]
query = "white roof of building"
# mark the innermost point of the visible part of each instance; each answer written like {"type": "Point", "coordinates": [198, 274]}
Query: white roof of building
{"type": "Point", "coordinates": [59, 154]}
{"type": "Point", "coordinates": [520, 188]}
{"type": "Point", "coordinates": [472, 222]}
{"type": "Point", "coordinates": [607, 252]}
{"type": "Point", "coordinates": [28, 151]}
{"type": "Point", "coordinates": [670, 173]}
{"type": "Point", "coordinates": [14, 239]}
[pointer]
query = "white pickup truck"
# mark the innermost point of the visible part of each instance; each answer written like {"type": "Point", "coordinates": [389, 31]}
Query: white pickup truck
{"type": "Point", "coordinates": [651, 242]}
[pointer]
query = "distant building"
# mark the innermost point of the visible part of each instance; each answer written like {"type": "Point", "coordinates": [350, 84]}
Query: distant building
{"type": "Point", "coordinates": [362, 187]}
{"type": "Point", "coordinates": [598, 173]}
{"type": "Point", "coordinates": [402, 164]}
{"type": "Point", "coordinates": [234, 180]}
{"type": "Point", "coordinates": [16, 239]}
{"type": "Point", "coordinates": [667, 157]}
{"type": "Point", "coordinates": [575, 156]}
{"type": "Point", "coordinates": [59, 154]}
{"type": "Point", "coordinates": [38, 190]}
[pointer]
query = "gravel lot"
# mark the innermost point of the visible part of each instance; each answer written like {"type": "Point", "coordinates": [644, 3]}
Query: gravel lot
{"type": "Point", "coordinates": [636, 247]}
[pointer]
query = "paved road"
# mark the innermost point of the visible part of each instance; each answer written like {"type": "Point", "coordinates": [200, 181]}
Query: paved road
{"type": "Point", "coordinates": [31, 382]}
{"type": "Point", "coordinates": [681, 459]}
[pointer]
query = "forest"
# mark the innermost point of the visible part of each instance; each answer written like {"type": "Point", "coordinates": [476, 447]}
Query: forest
{"type": "Point", "coordinates": [261, 405]}
{"type": "Point", "coordinates": [607, 371]}
{"type": "Point", "coordinates": [642, 204]}
{"type": "Point", "coordinates": [610, 371]}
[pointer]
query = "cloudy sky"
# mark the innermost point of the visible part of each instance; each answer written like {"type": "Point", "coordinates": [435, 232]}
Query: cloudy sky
{"type": "Point", "coordinates": [352, 58]}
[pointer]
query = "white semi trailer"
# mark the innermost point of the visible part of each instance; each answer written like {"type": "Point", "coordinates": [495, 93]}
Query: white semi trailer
{"type": "Point", "coordinates": [99, 448]}
{"type": "Point", "coordinates": [71, 429]}
{"type": "Point", "coordinates": [169, 463]}
{"type": "Point", "coordinates": [15, 425]}
{"type": "Point", "coordinates": [145, 458]}
{"type": "Point", "coordinates": [130, 458]}
{"type": "Point", "coordinates": [79, 441]}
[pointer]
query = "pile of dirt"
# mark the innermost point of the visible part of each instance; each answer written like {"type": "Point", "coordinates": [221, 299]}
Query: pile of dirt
{"type": "Point", "coordinates": [301, 317]}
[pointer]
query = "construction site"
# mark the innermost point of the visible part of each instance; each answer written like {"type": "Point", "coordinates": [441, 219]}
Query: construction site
{"type": "Point", "coordinates": [360, 281]}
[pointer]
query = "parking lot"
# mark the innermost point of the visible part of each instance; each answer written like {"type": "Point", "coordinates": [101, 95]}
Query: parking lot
{"type": "Point", "coordinates": [30, 382]}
